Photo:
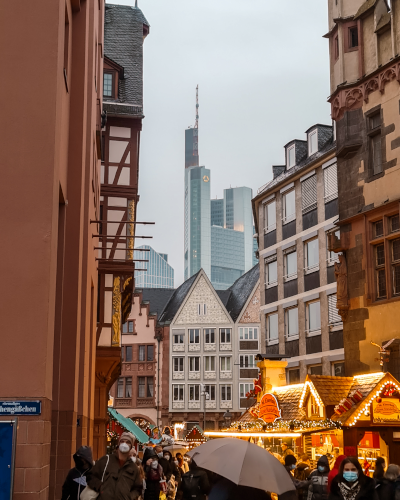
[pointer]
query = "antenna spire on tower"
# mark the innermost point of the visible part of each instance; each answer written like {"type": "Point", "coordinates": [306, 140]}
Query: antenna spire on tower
{"type": "Point", "coordinates": [136, 3]}
{"type": "Point", "coordinates": [196, 125]}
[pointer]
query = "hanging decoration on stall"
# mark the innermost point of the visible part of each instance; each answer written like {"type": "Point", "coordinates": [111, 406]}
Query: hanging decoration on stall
{"type": "Point", "coordinates": [257, 388]}
{"type": "Point", "coordinates": [347, 403]}
{"type": "Point", "coordinates": [385, 410]}
{"type": "Point", "coordinates": [269, 410]}
{"type": "Point", "coordinates": [156, 436]}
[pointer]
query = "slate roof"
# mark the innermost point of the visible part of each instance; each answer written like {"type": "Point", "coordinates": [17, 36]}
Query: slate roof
{"type": "Point", "coordinates": [289, 398]}
{"type": "Point", "coordinates": [241, 290]}
{"type": "Point", "coordinates": [158, 298]}
{"type": "Point", "coordinates": [331, 390]}
{"type": "Point", "coordinates": [224, 296]}
{"type": "Point", "coordinates": [177, 299]}
{"type": "Point", "coordinates": [123, 43]}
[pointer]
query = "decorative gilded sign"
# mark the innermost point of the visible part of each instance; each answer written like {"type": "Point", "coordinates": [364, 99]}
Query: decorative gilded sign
{"type": "Point", "coordinates": [269, 409]}
{"type": "Point", "coordinates": [386, 410]}
{"type": "Point", "coordinates": [131, 228]}
{"type": "Point", "coordinates": [116, 318]}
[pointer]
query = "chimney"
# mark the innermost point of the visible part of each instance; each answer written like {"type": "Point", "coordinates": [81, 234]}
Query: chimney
{"type": "Point", "coordinates": [273, 374]}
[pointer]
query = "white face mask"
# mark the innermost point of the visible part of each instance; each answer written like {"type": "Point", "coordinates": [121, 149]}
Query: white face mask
{"type": "Point", "coordinates": [176, 462]}
{"type": "Point", "coordinates": [154, 464]}
{"type": "Point", "coordinates": [160, 455]}
{"type": "Point", "coordinates": [133, 459]}
{"type": "Point", "coordinates": [167, 457]}
{"type": "Point", "coordinates": [124, 447]}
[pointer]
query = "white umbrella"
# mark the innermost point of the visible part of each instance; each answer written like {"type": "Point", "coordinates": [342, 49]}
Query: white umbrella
{"type": "Point", "coordinates": [243, 463]}
{"type": "Point", "coordinates": [176, 448]}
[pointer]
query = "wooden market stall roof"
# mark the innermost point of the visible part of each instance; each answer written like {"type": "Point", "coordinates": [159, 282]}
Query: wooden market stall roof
{"type": "Point", "coordinates": [129, 425]}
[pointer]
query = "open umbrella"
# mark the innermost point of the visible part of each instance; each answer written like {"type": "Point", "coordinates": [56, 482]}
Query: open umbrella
{"type": "Point", "coordinates": [244, 464]}
{"type": "Point", "coordinates": [176, 448]}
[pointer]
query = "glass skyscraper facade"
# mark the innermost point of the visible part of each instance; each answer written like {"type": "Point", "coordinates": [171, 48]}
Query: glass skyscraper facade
{"type": "Point", "coordinates": [159, 273]}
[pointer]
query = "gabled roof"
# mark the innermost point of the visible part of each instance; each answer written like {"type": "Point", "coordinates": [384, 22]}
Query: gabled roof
{"type": "Point", "coordinates": [157, 297]}
{"type": "Point", "coordinates": [288, 399]}
{"type": "Point", "coordinates": [176, 300]}
{"type": "Point", "coordinates": [241, 291]}
{"type": "Point", "coordinates": [365, 7]}
{"type": "Point", "coordinates": [330, 389]}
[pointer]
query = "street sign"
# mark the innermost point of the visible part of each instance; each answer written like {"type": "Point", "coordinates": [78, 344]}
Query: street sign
{"type": "Point", "coordinates": [7, 453]}
{"type": "Point", "coordinates": [20, 408]}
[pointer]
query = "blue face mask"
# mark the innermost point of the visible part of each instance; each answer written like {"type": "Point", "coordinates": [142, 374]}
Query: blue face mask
{"type": "Point", "coordinates": [293, 466]}
{"type": "Point", "coordinates": [350, 476]}
{"type": "Point", "coordinates": [321, 468]}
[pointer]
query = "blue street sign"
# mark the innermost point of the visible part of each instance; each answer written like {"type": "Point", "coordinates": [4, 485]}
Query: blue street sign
{"type": "Point", "coordinates": [7, 446]}
{"type": "Point", "coordinates": [20, 408]}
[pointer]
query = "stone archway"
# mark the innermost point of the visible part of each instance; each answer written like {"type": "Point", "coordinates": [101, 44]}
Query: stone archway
{"type": "Point", "coordinates": [142, 421]}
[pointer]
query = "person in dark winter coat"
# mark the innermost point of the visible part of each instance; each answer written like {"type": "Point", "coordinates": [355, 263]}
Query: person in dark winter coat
{"type": "Point", "coordinates": [224, 489]}
{"type": "Point", "coordinates": [301, 473]}
{"type": "Point", "coordinates": [290, 466]}
{"type": "Point", "coordinates": [386, 487]}
{"type": "Point", "coordinates": [379, 472]}
{"type": "Point", "coordinates": [351, 483]}
{"type": "Point", "coordinates": [195, 484]}
{"type": "Point", "coordinates": [122, 478]}
{"type": "Point", "coordinates": [75, 481]}
{"type": "Point", "coordinates": [319, 480]}
{"type": "Point", "coordinates": [154, 474]}
{"type": "Point", "coordinates": [163, 462]}
{"type": "Point", "coordinates": [335, 470]}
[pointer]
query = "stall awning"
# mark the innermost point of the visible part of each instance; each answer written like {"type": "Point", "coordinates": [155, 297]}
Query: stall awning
{"type": "Point", "coordinates": [130, 426]}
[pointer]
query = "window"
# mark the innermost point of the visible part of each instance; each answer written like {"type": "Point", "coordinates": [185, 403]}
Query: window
{"type": "Point", "coordinates": [209, 336]}
{"type": "Point", "coordinates": [338, 369]}
{"type": "Point", "coordinates": [394, 223]}
{"type": "Point", "coordinates": [143, 349]}
{"type": "Point", "coordinates": [353, 37]}
{"type": "Point", "coordinates": [309, 194]}
{"type": "Point", "coordinates": [290, 264]}
{"type": "Point", "coordinates": [210, 392]}
{"type": "Point", "coordinates": [202, 309]}
{"type": "Point", "coordinates": [272, 328]}
{"type": "Point", "coordinates": [336, 47]}
{"type": "Point", "coordinates": [108, 85]}
{"type": "Point", "coordinates": [396, 265]}
{"type": "Point", "coordinates": [194, 364]}
{"type": "Point", "coordinates": [380, 270]}
{"type": "Point", "coordinates": [194, 336]}
{"type": "Point", "coordinates": [150, 387]}
{"type": "Point", "coordinates": [142, 353]}
{"type": "Point", "coordinates": [332, 256]}
{"type": "Point", "coordinates": [313, 317]}
{"type": "Point", "coordinates": [271, 272]}
{"type": "Point", "coordinates": [209, 363]}
{"type": "Point", "coordinates": [225, 335]}
{"type": "Point", "coordinates": [312, 142]}
{"type": "Point", "coordinates": [178, 392]}
{"type": "Point", "coordinates": [122, 353]}
{"type": "Point", "coordinates": [378, 229]}
{"type": "Point", "coordinates": [244, 389]}
{"type": "Point", "coordinates": [150, 353]}
{"type": "Point", "coordinates": [291, 322]}
{"type": "Point", "coordinates": [128, 353]}
{"type": "Point", "coordinates": [294, 376]}
{"type": "Point", "coordinates": [194, 393]}
{"type": "Point", "coordinates": [142, 387]}
{"type": "Point", "coordinates": [178, 364]}
{"type": "Point", "coordinates": [178, 338]}
{"type": "Point", "coordinates": [291, 157]}
{"type": "Point", "coordinates": [225, 363]}
{"type": "Point", "coordinates": [127, 327]}
{"type": "Point", "coordinates": [314, 408]}
{"type": "Point", "coordinates": [120, 388]}
{"type": "Point", "coordinates": [375, 121]}
{"type": "Point", "coordinates": [226, 393]}
{"type": "Point", "coordinates": [145, 387]}
{"type": "Point", "coordinates": [128, 387]}
{"type": "Point", "coordinates": [248, 333]}
{"type": "Point", "coordinates": [330, 183]}
{"type": "Point", "coordinates": [289, 206]}
{"type": "Point", "coordinates": [333, 316]}
{"type": "Point", "coordinates": [315, 370]}
{"type": "Point", "coordinates": [248, 361]}
{"type": "Point", "coordinates": [376, 154]}
{"type": "Point", "coordinates": [270, 216]}
{"type": "Point", "coordinates": [311, 255]}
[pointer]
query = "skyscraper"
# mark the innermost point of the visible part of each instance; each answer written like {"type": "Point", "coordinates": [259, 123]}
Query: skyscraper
{"type": "Point", "coordinates": [159, 273]}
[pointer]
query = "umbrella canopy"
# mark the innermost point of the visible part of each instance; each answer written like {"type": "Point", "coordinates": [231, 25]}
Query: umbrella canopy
{"type": "Point", "coordinates": [176, 448]}
{"type": "Point", "coordinates": [243, 463]}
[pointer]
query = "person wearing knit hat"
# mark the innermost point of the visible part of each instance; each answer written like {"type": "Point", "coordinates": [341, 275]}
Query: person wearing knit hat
{"type": "Point", "coordinates": [117, 475]}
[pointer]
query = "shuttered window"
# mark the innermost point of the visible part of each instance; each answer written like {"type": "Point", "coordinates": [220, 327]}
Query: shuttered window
{"type": "Point", "coordinates": [377, 154]}
{"type": "Point", "coordinates": [309, 194]}
{"type": "Point", "coordinates": [333, 315]}
{"type": "Point", "coordinates": [330, 183]}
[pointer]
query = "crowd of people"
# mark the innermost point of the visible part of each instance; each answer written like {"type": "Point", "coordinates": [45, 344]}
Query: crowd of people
{"type": "Point", "coordinates": [164, 475]}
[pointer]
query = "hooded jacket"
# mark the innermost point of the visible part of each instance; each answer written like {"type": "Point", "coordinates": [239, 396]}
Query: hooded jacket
{"type": "Point", "coordinates": [318, 489]}
{"type": "Point", "coordinates": [75, 481]}
{"type": "Point", "coordinates": [301, 473]}
{"type": "Point", "coordinates": [335, 470]}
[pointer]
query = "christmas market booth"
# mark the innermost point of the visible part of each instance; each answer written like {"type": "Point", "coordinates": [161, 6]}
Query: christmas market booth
{"type": "Point", "coordinates": [117, 424]}
{"type": "Point", "coordinates": [195, 437]}
{"type": "Point", "coordinates": [356, 416]}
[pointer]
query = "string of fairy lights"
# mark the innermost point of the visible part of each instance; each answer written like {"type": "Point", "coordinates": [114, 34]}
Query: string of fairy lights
{"type": "Point", "coordinates": [283, 425]}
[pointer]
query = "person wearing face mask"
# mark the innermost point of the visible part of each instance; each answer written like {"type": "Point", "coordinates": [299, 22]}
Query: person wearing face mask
{"type": "Point", "coordinates": [122, 478]}
{"type": "Point", "coordinates": [76, 479]}
{"type": "Point", "coordinates": [163, 462]}
{"type": "Point", "coordinates": [290, 466]}
{"type": "Point", "coordinates": [351, 483]}
{"type": "Point", "coordinates": [183, 466]}
{"type": "Point", "coordinates": [153, 474]}
{"type": "Point", "coordinates": [318, 489]}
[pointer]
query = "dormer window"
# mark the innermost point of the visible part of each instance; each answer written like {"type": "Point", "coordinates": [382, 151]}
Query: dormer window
{"type": "Point", "coordinates": [108, 85]}
{"type": "Point", "coordinates": [312, 142]}
{"type": "Point", "coordinates": [291, 157]}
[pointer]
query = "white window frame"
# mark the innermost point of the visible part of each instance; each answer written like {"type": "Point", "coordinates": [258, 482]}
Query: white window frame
{"type": "Point", "coordinates": [181, 365]}
{"type": "Point", "coordinates": [309, 194]}
{"type": "Point", "coordinates": [227, 360]}
{"type": "Point", "coordinates": [179, 387]}
{"type": "Point", "coordinates": [209, 360]}
{"type": "Point", "coordinates": [293, 276]}
{"type": "Point", "coordinates": [252, 333]}
{"type": "Point", "coordinates": [225, 386]}
{"type": "Point", "coordinates": [312, 366]}
{"type": "Point", "coordinates": [273, 341]}
{"type": "Point", "coordinates": [182, 335]}
{"type": "Point", "coordinates": [330, 178]}
{"type": "Point", "coordinates": [334, 326]}
{"type": "Point", "coordinates": [244, 388]}
{"type": "Point", "coordinates": [271, 284]}
{"type": "Point", "coordinates": [310, 135]}
{"type": "Point", "coordinates": [315, 267]}
{"type": "Point", "coordinates": [207, 389]}
{"type": "Point", "coordinates": [332, 257]}
{"type": "Point", "coordinates": [289, 149]}
{"type": "Point", "coordinates": [333, 367]}
{"type": "Point", "coordinates": [194, 336]}
{"type": "Point", "coordinates": [312, 333]}
{"type": "Point", "coordinates": [267, 226]}
{"type": "Point", "coordinates": [251, 361]}
{"type": "Point", "coordinates": [194, 362]}
{"type": "Point", "coordinates": [210, 330]}
{"type": "Point", "coordinates": [294, 336]}
{"type": "Point", "coordinates": [226, 334]}
{"type": "Point", "coordinates": [202, 309]}
{"type": "Point", "coordinates": [194, 400]}
{"type": "Point", "coordinates": [288, 217]}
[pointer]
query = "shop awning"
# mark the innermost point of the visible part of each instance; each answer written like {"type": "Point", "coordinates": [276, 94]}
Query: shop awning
{"type": "Point", "coordinates": [130, 426]}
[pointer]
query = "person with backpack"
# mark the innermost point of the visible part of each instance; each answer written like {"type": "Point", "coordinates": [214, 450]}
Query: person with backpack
{"type": "Point", "coordinates": [195, 484]}
{"type": "Point", "coordinates": [318, 489]}
{"type": "Point", "coordinates": [116, 476]}
{"type": "Point", "coordinates": [301, 473]}
{"type": "Point", "coordinates": [75, 481]}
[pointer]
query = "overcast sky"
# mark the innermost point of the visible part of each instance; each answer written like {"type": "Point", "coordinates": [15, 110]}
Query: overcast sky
{"type": "Point", "coordinates": [263, 73]}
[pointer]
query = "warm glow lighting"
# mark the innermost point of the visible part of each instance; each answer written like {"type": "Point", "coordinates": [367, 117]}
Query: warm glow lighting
{"type": "Point", "coordinates": [252, 434]}
{"type": "Point", "coordinates": [286, 387]}
{"type": "Point", "coordinates": [366, 375]}
{"type": "Point", "coordinates": [313, 392]}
